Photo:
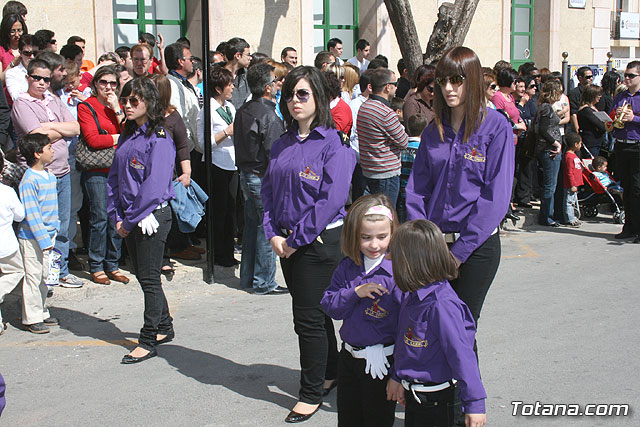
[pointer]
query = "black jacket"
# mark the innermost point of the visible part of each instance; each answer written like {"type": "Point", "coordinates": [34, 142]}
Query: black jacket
{"type": "Point", "coordinates": [255, 129]}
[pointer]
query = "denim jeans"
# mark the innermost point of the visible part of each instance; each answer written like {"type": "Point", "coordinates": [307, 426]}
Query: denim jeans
{"type": "Point", "coordinates": [104, 242]}
{"type": "Point", "coordinates": [76, 200]}
{"type": "Point", "coordinates": [570, 204]}
{"type": "Point", "coordinates": [258, 266]}
{"type": "Point", "coordinates": [64, 213]}
{"type": "Point", "coordinates": [388, 186]}
{"type": "Point", "coordinates": [146, 258]}
{"type": "Point", "coordinates": [550, 167]}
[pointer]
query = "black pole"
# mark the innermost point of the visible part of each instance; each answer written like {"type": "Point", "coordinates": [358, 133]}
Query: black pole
{"type": "Point", "coordinates": [204, 6]}
{"type": "Point", "coordinates": [565, 72]}
{"type": "Point", "coordinates": [609, 61]}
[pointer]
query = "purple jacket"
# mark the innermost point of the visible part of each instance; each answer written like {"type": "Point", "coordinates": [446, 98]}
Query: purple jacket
{"type": "Point", "coordinates": [435, 343]}
{"type": "Point", "coordinates": [463, 187]}
{"type": "Point", "coordinates": [631, 129]}
{"type": "Point", "coordinates": [3, 401]}
{"type": "Point", "coordinates": [140, 176]}
{"type": "Point", "coordinates": [365, 321]}
{"type": "Point", "coordinates": [306, 185]}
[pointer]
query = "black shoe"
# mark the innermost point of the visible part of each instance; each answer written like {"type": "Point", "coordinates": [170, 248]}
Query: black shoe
{"type": "Point", "coordinates": [38, 328]}
{"type": "Point", "coordinates": [74, 263]}
{"type": "Point", "coordinates": [326, 391]}
{"type": "Point", "coordinates": [554, 224]}
{"type": "Point", "coordinates": [170, 336]}
{"type": "Point", "coordinates": [51, 321]}
{"type": "Point", "coordinates": [295, 417]}
{"type": "Point", "coordinates": [636, 240]}
{"type": "Point", "coordinates": [516, 211]}
{"type": "Point", "coordinates": [512, 216]}
{"type": "Point", "coordinates": [625, 235]}
{"type": "Point", "coordinates": [128, 359]}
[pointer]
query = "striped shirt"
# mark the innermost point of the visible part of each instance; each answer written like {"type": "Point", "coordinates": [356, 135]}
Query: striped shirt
{"type": "Point", "coordinates": [40, 199]}
{"type": "Point", "coordinates": [381, 138]}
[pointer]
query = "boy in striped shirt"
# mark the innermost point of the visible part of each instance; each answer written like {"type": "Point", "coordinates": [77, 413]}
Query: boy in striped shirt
{"type": "Point", "coordinates": [37, 232]}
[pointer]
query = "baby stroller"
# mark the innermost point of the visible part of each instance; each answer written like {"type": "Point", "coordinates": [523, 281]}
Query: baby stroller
{"type": "Point", "coordinates": [596, 194]}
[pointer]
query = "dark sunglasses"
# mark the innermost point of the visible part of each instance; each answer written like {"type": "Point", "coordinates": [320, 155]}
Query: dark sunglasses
{"type": "Point", "coordinates": [38, 78]}
{"type": "Point", "coordinates": [130, 99]}
{"type": "Point", "coordinates": [532, 86]}
{"type": "Point", "coordinates": [28, 52]}
{"type": "Point", "coordinates": [302, 95]}
{"type": "Point", "coordinates": [429, 88]}
{"type": "Point", "coordinates": [589, 77]}
{"type": "Point", "coordinates": [112, 83]}
{"type": "Point", "coordinates": [493, 86]}
{"type": "Point", "coordinates": [52, 41]}
{"type": "Point", "coordinates": [456, 80]}
{"type": "Point", "coordinates": [630, 76]}
{"type": "Point", "coordinates": [536, 76]}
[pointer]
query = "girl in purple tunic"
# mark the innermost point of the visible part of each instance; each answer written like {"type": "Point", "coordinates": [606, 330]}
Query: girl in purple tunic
{"type": "Point", "coordinates": [436, 330]}
{"type": "Point", "coordinates": [364, 296]}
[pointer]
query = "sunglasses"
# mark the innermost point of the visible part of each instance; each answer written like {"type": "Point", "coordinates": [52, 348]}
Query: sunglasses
{"type": "Point", "coordinates": [589, 77]}
{"type": "Point", "coordinates": [532, 87]}
{"type": "Point", "coordinates": [456, 80]}
{"type": "Point", "coordinates": [28, 52]}
{"type": "Point", "coordinates": [52, 41]}
{"type": "Point", "coordinates": [536, 76]}
{"type": "Point", "coordinates": [493, 86]}
{"type": "Point", "coordinates": [303, 96]}
{"type": "Point", "coordinates": [630, 76]}
{"type": "Point", "coordinates": [429, 89]}
{"type": "Point", "coordinates": [112, 83]}
{"type": "Point", "coordinates": [134, 101]}
{"type": "Point", "coordinates": [38, 78]}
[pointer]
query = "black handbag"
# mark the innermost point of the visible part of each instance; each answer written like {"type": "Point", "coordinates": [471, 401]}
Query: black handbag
{"type": "Point", "coordinates": [88, 158]}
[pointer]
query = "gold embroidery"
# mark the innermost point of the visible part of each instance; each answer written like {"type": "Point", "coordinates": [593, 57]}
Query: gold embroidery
{"type": "Point", "coordinates": [309, 174]}
{"type": "Point", "coordinates": [475, 156]}
{"type": "Point", "coordinates": [411, 341]}
{"type": "Point", "coordinates": [376, 311]}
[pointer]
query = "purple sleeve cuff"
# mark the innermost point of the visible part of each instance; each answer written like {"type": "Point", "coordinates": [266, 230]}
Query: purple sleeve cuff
{"type": "Point", "coordinates": [474, 407]}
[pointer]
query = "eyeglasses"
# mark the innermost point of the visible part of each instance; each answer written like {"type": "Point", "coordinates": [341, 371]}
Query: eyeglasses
{"type": "Point", "coordinates": [188, 58]}
{"type": "Point", "coordinates": [630, 76]}
{"type": "Point", "coordinates": [111, 83]}
{"type": "Point", "coordinates": [392, 83]}
{"type": "Point", "coordinates": [52, 41]}
{"type": "Point", "coordinates": [532, 86]}
{"type": "Point", "coordinates": [38, 78]}
{"type": "Point", "coordinates": [303, 96]}
{"type": "Point", "coordinates": [28, 52]}
{"type": "Point", "coordinates": [429, 88]}
{"type": "Point", "coordinates": [536, 76]}
{"type": "Point", "coordinates": [18, 31]}
{"type": "Point", "coordinates": [134, 101]}
{"type": "Point", "coordinates": [493, 86]}
{"type": "Point", "coordinates": [589, 77]}
{"type": "Point", "coordinates": [456, 80]}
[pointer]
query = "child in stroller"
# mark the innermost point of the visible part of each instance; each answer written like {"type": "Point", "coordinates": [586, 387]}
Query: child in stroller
{"type": "Point", "coordinates": [602, 189]}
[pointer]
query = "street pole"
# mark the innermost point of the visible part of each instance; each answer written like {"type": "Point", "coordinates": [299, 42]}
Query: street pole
{"type": "Point", "coordinates": [609, 61]}
{"type": "Point", "coordinates": [204, 7]}
{"type": "Point", "coordinates": [565, 72]}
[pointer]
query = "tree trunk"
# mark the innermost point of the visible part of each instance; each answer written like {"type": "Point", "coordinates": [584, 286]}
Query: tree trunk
{"type": "Point", "coordinates": [406, 33]}
{"type": "Point", "coordinates": [451, 28]}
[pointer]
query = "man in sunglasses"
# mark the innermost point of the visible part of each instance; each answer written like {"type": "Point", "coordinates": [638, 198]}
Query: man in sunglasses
{"type": "Point", "coordinates": [381, 136]}
{"type": "Point", "coordinates": [16, 82]}
{"type": "Point", "coordinates": [627, 150]}
{"type": "Point", "coordinates": [40, 111]}
{"type": "Point", "coordinates": [585, 77]}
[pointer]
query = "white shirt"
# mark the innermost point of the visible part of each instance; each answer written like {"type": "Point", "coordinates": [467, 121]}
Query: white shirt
{"type": "Point", "coordinates": [355, 105]}
{"type": "Point", "coordinates": [361, 65]}
{"type": "Point", "coordinates": [11, 210]}
{"type": "Point", "coordinates": [223, 155]}
{"type": "Point", "coordinates": [187, 104]}
{"type": "Point", "coordinates": [371, 263]}
{"type": "Point", "coordinates": [16, 81]}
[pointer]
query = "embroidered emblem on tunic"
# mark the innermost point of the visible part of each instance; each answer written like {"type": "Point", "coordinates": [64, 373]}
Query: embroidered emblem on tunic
{"type": "Point", "coordinates": [134, 163]}
{"type": "Point", "coordinates": [475, 156]}
{"type": "Point", "coordinates": [307, 173]}
{"type": "Point", "coordinates": [412, 341]}
{"type": "Point", "coordinates": [376, 311]}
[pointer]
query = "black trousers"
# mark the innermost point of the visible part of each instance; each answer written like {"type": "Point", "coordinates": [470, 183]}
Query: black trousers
{"type": "Point", "coordinates": [362, 401]}
{"type": "Point", "coordinates": [628, 172]}
{"type": "Point", "coordinates": [525, 175]}
{"type": "Point", "coordinates": [224, 193]}
{"type": "Point", "coordinates": [146, 258]}
{"type": "Point", "coordinates": [307, 274]}
{"type": "Point", "coordinates": [437, 409]}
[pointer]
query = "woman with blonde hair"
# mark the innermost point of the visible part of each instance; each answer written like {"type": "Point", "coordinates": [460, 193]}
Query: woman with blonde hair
{"type": "Point", "coordinates": [351, 79]}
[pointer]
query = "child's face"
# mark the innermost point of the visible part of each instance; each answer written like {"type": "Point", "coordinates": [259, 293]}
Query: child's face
{"type": "Point", "coordinates": [602, 168]}
{"type": "Point", "coordinates": [46, 156]}
{"type": "Point", "coordinates": [400, 115]}
{"type": "Point", "coordinates": [375, 237]}
{"type": "Point", "coordinates": [39, 81]}
{"type": "Point", "coordinates": [71, 82]}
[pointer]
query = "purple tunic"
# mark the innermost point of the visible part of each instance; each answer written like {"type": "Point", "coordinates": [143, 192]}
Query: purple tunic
{"type": "Point", "coordinates": [365, 321]}
{"type": "Point", "coordinates": [306, 184]}
{"type": "Point", "coordinates": [631, 129]}
{"type": "Point", "coordinates": [463, 187]}
{"type": "Point", "coordinates": [141, 176]}
{"type": "Point", "coordinates": [435, 343]}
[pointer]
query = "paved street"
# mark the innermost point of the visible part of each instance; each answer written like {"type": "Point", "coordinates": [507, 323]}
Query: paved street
{"type": "Point", "coordinates": [559, 326]}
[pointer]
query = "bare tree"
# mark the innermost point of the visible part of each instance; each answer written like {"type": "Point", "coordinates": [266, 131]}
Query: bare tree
{"type": "Point", "coordinates": [450, 30]}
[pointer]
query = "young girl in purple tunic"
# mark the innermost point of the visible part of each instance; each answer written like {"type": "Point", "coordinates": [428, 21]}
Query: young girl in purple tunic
{"type": "Point", "coordinates": [364, 296]}
{"type": "Point", "coordinates": [436, 331]}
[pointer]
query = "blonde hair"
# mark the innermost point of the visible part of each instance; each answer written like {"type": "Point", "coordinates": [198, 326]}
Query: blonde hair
{"type": "Point", "coordinates": [279, 69]}
{"type": "Point", "coordinates": [350, 242]}
{"type": "Point", "coordinates": [351, 77]}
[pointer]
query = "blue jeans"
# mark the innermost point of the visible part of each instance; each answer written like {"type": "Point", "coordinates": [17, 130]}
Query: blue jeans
{"type": "Point", "coordinates": [258, 265]}
{"type": "Point", "coordinates": [388, 186]}
{"type": "Point", "coordinates": [64, 212]}
{"type": "Point", "coordinates": [550, 167]}
{"type": "Point", "coordinates": [104, 242]}
{"type": "Point", "coordinates": [571, 204]}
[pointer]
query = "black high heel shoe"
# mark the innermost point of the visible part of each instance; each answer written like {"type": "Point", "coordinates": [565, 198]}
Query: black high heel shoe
{"type": "Point", "coordinates": [295, 417]}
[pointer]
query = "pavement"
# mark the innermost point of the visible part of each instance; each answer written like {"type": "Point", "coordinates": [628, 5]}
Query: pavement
{"type": "Point", "coordinates": [558, 327]}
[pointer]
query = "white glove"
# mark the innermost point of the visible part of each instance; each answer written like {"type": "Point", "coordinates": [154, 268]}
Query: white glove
{"type": "Point", "coordinates": [149, 224]}
{"type": "Point", "coordinates": [377, 363]}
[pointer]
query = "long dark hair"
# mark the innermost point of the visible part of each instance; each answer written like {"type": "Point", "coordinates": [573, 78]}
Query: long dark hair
{"type": "Point", "coordinates": [609, 82]}
{"type": "Point", "coordinates": [463, 61]}
{"type": "Point", "coordinates": [144, 88]}
{"type": "Point", "coordinates": [320, 90]}
{"type": "Point", "coordinates": [5, 29]}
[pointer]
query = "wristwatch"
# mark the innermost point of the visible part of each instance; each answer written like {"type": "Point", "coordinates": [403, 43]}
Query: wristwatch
{"type": "Point", "coordinates": [119, 112]}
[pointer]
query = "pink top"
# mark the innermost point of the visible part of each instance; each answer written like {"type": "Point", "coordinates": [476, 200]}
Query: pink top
{"type": "Point", "coordinates": [509, 106]}
{"type": "Point", "coordinates": [6, 56]}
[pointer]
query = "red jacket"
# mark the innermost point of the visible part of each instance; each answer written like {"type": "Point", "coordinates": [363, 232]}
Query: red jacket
{"type": "Point", "coordinates": [342, 117]}
{"type": "Point", "coordinates": [572, 170]}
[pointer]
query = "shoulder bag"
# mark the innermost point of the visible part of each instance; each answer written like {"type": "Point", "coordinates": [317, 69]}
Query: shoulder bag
{"type": "Point", "coordinates": [88, 158]}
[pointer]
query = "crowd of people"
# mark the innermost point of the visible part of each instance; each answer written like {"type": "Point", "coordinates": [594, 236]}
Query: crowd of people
{"type": "Point", "coordinates": [381, 193]}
